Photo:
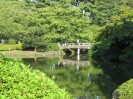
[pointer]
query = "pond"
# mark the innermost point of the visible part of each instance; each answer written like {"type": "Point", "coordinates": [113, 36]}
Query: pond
{"type": "Point", "coordinates": [83, 79]}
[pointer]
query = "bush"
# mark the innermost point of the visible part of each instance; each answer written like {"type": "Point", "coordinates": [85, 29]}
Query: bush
{"type": "Point", "coordinates": [20, 82]}
{"type": "Point", "coordinates": [125, 91]}
{"type": "Point", "coordinates": [11, 41]}
{"type": "Point", "coordinates": [53, 46]}
{"type": "Point", "coordinates": [19, 46]}
{"type": "Point", "coordinates": [7, 47]}
{"type": "Point", "coordinates": [40, 5]}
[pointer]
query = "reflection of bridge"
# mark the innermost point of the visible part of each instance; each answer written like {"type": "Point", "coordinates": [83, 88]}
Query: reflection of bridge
{"type": "Point", "coordinates": [67, 62]}
{"type": "Point", "coordinates": [77, 46]}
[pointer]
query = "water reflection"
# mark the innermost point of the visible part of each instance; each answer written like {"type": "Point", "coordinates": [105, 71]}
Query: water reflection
{"type": "Point", "coordinates": [80, 78]}
{"type": "Point", "coordinates": [119, 71]}
{"type": "Point", "coordinates": [77, 63]}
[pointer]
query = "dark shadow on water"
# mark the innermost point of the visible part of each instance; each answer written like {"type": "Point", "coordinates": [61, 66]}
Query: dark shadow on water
{"type": "Point", "coordinates": [117, 72]}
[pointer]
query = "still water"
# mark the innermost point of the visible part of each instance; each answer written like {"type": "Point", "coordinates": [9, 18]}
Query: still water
{"type": "Point", "coordinates": [84, 78]}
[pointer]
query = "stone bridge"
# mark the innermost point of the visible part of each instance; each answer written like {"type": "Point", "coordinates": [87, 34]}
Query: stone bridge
{"type": "Point", "coordinates": [77, 46]}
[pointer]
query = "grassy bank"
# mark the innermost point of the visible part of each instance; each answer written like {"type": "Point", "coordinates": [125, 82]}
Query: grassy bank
{"type": "Point", "coordinates": [8, 47]}
{"type": "Point", "coordinates": [52, 51]}
{"type": "Point", "coordinates": [21, 82]}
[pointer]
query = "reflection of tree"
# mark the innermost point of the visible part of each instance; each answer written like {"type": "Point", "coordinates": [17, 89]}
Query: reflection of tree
{"type": "Point", "coordinates": [74, 57]}
{"type": "Point", "coordinates": [118, 71]}
{"type": "Point", "coordinates": [76, 82]}
{"type": "Point", "coordinates": [115, 73]}
{"type": "Point", "coordinates": [82, 82]}
{"type": "Point", "coordinates": [40, 63]}
{"type": "Point", "coordinates": [101, 79]}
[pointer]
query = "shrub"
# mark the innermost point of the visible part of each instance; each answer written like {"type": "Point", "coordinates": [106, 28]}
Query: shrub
{"type": "Point", "coordinates": [125, 91]}
{"type": "Point", "coordinates": [7, 47]}
{"type": "Point", "coordinates": [53, 46]}
{"type": "Point", "coordinates": [40, 5]}
{"type": "Point", "coordinates": [19, 46]}
{"type": "Point", "coordinates": [11, 41]}
{"type": "Point", "coordinates": [21, 82]}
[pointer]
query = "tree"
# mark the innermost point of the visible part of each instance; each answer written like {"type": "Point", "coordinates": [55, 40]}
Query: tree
{"type": "Point", "coordinates": [34, 39]}
{"type": "Point", "coordinates": [116, 39]}
{"type": "Point", "coordinates": [102, 10]}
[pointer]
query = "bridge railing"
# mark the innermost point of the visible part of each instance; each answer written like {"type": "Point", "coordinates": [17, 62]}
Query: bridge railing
{"type": "Point", "coordinates": [76, 44]}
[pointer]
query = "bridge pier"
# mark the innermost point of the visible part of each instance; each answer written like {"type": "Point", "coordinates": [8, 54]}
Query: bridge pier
{"type": "Point", "coordinates": [78, 57]}
{"type": "Point", "coordinates": [78, 51]}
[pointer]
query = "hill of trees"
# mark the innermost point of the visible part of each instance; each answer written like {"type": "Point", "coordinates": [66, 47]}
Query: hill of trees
{"type": "Point", "coordinates": [35, 23]}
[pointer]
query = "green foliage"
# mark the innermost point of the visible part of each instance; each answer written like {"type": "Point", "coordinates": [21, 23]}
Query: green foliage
{"type": "Point", "coordinates": [19, 81]}
{"type": "Point", "coordinates": [7, 47]}
{"type": "Point", "coordinates": [102, 10]}
{"type": "Point", "coordinates": [40, 5]}
{"type": "Point", "coordinates": [55, 21]}
{"type": "Point", "coordinates": [34, 39]}
{"type": "Point", "coordinates": [36, 24]}
{"type": "Point", "coordinates": [125, 91]}
{"type": "Point", "coordinates": [53, 46]}
{"type": "Point", "coordinates": [115, 40]}
{"type": "Point", "coordinates": [11, 41]}
{"type": "Point", "coordinates": [12, 19]}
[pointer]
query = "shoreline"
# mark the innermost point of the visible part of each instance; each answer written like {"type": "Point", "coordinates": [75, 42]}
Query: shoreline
{"type": "Point", "coordinates": [31, 54]}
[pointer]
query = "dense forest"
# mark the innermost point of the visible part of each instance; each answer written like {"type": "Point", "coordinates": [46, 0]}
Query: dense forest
{"type": "Point", "coordinates": [35, 23]}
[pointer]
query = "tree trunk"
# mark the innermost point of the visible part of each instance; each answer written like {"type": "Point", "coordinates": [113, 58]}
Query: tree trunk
{"type": "Point", "coordinates": [35, 49]}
